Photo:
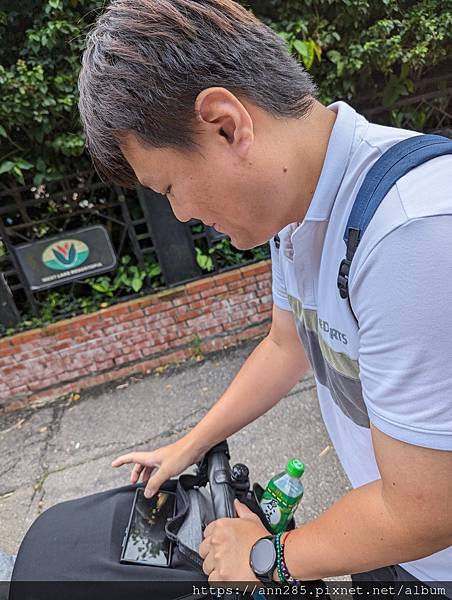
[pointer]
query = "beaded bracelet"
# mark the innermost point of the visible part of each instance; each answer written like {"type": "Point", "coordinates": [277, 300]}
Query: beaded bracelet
{"type": "Point", "coordinates": [278, 557]}
{"type": "Point", "coordinates": [283, 571]}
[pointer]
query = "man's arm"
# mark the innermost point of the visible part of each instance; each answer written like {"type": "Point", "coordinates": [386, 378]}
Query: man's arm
{"type": "Point", "coordinates": [400, 293]}
{"type": "Point", "coordinates": [402, 517]}
{"type": "Point", "coordinates": [268, 374]}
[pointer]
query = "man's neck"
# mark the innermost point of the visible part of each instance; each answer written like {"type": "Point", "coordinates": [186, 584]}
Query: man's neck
{"type": "Point", "coordinates": [307, 143]}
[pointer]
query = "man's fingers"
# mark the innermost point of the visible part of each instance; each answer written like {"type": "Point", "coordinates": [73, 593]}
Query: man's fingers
{"type": "Point", "coordinates": [134, 457]}
{"type": "Point", "coordinates": [154, 483]}
{"type": "Point", "coordinates": [214, 576]}
{"type": "Point", "coordinates": [135, 474]}
{"type": "Point", "coordinates": [147, 472]}
{"type": "Point", "coordinates": [209, 529]}
{"type": "Point", "coordinates": [243, 512]}
{"type": "Point", "coordinates": [208, 565]}
{"type": "Point", "coordinates": [203, 549]}
{"type": "Point", "coordinates": [144, 466]}
{"type": "Point", "coordinates": [125, 459]}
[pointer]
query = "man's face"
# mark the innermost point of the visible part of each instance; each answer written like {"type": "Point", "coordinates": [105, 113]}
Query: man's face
{"type": "Point", "coordinates": [211, 187]}
{"type": "Point", "coordinates": [229, 183]}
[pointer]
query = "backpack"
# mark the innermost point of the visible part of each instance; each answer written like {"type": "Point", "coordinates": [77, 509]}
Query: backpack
{"type": "Point", "coordinates": [384, 173]}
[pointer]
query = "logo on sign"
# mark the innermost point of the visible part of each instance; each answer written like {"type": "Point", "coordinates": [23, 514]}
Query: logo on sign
{"type": "Point", "coordinates": [65, 254]}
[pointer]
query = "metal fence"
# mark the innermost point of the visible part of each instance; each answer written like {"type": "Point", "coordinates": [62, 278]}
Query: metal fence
{"type": "Point", "coordinates": [144, 233]}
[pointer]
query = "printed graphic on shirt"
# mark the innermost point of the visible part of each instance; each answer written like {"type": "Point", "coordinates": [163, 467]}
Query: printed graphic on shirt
{"type": "Point", "coordinates": [335, 370]}
{"type": "Point", "coordinates": [334, 334]}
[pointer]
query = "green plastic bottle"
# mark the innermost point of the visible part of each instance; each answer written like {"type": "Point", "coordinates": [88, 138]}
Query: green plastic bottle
{"type": "Point", "coordinates": [282, 495]}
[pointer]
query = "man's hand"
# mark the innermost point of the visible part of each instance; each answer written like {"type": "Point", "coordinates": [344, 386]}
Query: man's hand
{"type": "Point", "coordinates": [227, 545]}
{"type": "Point", "coordinates": [167, 461]}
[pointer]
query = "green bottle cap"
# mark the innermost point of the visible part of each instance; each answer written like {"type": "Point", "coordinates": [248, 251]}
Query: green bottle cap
{"type": "Point", "coordinates": [295, 468]}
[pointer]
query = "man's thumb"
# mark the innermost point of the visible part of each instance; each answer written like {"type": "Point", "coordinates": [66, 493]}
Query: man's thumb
{"type": "Point", "coordinates": [243, 512]}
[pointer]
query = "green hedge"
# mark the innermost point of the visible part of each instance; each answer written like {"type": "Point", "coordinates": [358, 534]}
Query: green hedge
{"type": "Point", "coordinates": [354, 48]}
{"type": "Point", "coordinates": [379, 51]}
{"type": "Point", "coordinates": [372, 54]}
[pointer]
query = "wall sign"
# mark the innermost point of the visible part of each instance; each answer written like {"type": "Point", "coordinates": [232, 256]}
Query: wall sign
{"type": "Point", "coordinates": [73, 255]}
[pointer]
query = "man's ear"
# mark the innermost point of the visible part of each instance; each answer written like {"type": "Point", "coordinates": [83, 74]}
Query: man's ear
{"type": "Point", "coordinates": [221, 113]}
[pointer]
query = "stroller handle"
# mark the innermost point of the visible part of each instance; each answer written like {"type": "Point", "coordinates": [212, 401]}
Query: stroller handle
{"type": "Point", "coordinates": [221, 490]}
{"type": "Point", "coordinates": [219, 475]}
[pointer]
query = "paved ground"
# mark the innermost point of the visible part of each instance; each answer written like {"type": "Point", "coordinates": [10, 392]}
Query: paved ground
{"type": "Point", "coordinates": [64, 451]}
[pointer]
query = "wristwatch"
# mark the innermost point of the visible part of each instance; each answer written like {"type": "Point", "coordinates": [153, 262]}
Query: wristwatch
{"type": "Point", "coordinates": [263, 558]}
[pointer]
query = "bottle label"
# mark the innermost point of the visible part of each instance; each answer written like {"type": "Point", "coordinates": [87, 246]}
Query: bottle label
{"type": "Point", "coordinates": [271, 510]}
{"type": "Point", "coordinates": [278, 507]}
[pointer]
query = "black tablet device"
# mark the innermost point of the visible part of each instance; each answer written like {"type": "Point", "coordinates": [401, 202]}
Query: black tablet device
{"type": "Point", "coordinates": [145, 541]}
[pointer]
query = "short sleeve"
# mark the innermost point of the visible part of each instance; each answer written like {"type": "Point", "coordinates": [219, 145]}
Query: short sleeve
{"type": "Point", "coordinates": [401, 295]}
{"type": "Point", "coordinates": [279, 290]}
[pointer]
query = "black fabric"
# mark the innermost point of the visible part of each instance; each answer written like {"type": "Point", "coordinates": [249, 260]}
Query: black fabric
{"type": "Point", "coordinates": [80, 540]}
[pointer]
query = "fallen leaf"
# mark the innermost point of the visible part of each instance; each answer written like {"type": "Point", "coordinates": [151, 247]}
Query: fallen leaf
{"type": "Point", "coordinates": [7, 495]}
{"type": "Point", "coordinates": [121, 386]}
{"type": "Point", "coordinates": [325, 451]}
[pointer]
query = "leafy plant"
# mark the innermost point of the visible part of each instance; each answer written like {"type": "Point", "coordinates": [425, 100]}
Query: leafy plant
{"type": "Point", "coordinates": [227, 255]}
{"type": "Point", "coordinates": [299, 43]}
{"type": "Point", "coordinates": [204, 260]}
{"type": "Point", "coordinates": [39, 64]}
{"type": "Point", "coordinates": [370, 53]}
{"type": "Point", "coordinates": [127, 276]}
{"type": "Point", "coordinates": [57, 304]}
{"type": "Point", "coordinates": [16, 167]}
{"type": "Point", "coordinates": [261, 252]}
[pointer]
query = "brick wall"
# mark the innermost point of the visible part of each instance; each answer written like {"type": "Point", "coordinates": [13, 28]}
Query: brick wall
{"type": "Point", "coordinates": [135, 337]}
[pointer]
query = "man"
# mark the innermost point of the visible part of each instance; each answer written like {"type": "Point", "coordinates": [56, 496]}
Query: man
{"type": "Point", "coordinates": [200, 101]}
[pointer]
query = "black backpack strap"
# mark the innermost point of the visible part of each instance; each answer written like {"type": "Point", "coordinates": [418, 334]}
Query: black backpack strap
{"type": "Point", "coordinates": [384, 173]}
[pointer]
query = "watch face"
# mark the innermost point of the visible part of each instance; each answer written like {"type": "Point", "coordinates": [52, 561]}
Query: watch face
{"type": "Point", "coordinates": [263, 556]}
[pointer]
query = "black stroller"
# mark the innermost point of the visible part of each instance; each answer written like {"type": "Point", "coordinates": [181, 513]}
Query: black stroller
{"type": "Point", "coordinates": [72, 550]}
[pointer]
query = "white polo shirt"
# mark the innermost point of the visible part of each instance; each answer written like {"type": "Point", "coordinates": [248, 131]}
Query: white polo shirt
{"type": "Point", "coordinates": [395, 368]}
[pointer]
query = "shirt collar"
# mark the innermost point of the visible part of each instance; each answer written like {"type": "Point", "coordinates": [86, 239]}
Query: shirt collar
{"type": "Point", "coordinates": [335, 164]}
{"type": "Point", "coordinates": [339, 150]}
